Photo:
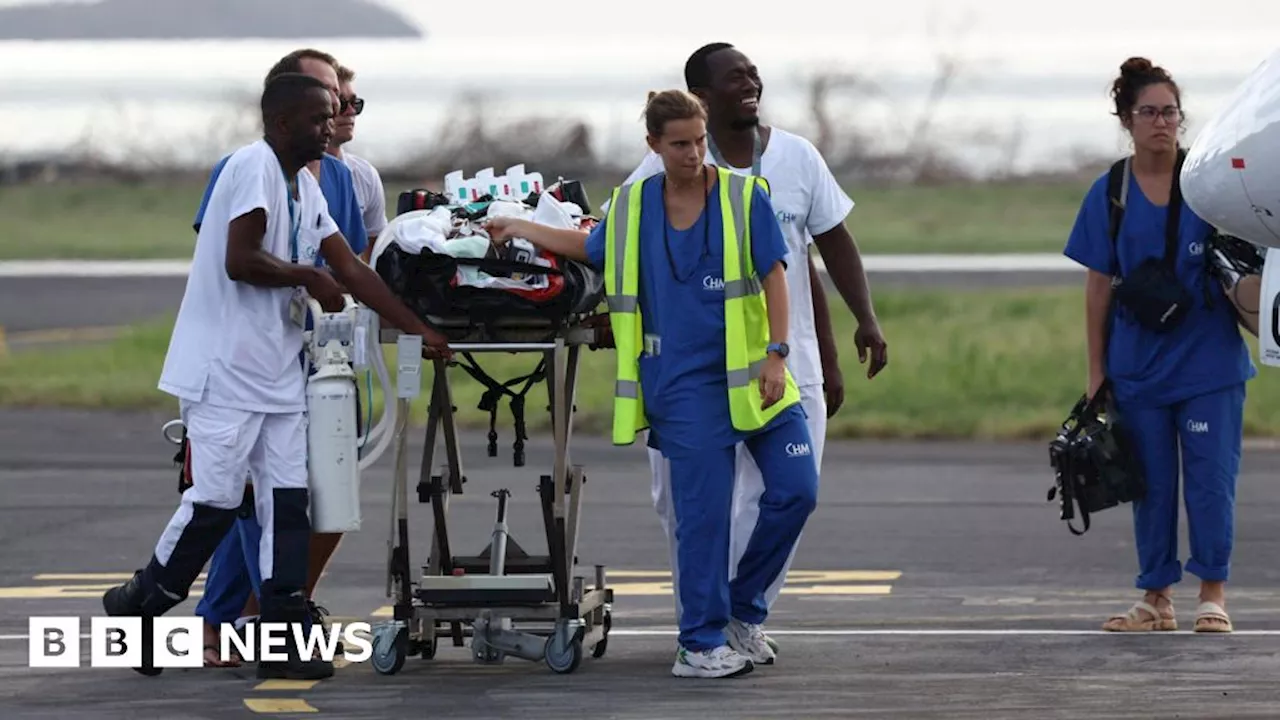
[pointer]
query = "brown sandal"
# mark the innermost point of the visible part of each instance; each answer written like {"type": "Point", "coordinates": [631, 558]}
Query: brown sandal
{"type": "Point", "coordinates": [212, 657]}
{"type": "Point", "coordinates": [1135, 621]}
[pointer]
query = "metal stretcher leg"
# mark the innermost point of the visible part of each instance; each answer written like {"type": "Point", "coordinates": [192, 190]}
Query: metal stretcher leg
{"type": "Point", "coordinates": [489, 594]}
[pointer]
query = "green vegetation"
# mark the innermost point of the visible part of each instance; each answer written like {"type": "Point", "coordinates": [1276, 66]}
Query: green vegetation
{"type": "Point", "coordinates": [116, 220]}
{"type": "Point", "coordinates": [962, 364]}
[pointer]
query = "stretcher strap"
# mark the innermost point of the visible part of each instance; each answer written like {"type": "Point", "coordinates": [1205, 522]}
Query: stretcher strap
{"type": "Point", "coordinates": [494, 391]}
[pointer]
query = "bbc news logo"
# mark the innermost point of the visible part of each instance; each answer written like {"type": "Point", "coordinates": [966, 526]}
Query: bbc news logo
{"type": "Point", "coordinates": [178, 642]}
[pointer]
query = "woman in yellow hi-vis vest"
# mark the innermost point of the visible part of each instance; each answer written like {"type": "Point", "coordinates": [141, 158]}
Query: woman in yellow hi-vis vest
{"type": "Point", "coordinates": [693, 261]}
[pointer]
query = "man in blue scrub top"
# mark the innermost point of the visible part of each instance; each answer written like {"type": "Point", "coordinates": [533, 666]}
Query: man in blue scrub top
{"type": "Point", "coordinates": [234, 580]}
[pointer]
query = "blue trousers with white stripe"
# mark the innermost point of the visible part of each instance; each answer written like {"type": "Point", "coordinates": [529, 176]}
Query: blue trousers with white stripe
{"type": "Point", "coordinates": [702, 487]}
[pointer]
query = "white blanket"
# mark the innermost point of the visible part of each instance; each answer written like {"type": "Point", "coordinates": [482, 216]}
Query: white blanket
{"type": "Point", "coordinates": [438, 231]}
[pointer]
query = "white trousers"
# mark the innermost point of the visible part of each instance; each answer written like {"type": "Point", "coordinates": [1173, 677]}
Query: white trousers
{"type": "Point", "coordinates": [226, 445]}
{"type": "Point", "coordinates": [748, 488]}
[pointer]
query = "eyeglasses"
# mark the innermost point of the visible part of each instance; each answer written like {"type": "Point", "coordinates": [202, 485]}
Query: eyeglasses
{"type": "Point", "coordinates": [1148, 113]}
{"type": "Point", "coordinates": [352, 102]}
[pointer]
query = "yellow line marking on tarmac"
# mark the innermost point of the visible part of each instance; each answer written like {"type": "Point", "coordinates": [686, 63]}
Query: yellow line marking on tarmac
{"type": "Point", "coordinates": [279, 705]}
{"type": "Point", "coordinates": [4, 345]}
{"type": "Point", "coordinates": [839, 590]}
{"type": "Point", "coordinates": [290, 685]}
{"type": "Point", "coordinates": [799, 582]}
{"type": "Point", "coordinates": [64, 592]}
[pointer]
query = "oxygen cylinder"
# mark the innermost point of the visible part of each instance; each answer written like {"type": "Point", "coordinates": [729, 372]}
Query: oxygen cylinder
{"type": "Point", "coordinates": [333, 453]}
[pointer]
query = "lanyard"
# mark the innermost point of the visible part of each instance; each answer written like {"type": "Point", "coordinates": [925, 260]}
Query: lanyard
{"type": "Point", "coordinates": [756, 151]}
{"type": "Point", "coordinates": [295, 221]}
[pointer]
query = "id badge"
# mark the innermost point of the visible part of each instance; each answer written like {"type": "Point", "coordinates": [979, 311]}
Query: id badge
{"type": "Point", "coordinates": [298, 308]}
{"type": "Point", "coordinates": [652, 345]}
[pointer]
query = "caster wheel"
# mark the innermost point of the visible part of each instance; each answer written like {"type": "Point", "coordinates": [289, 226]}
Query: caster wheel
{"type": "Point", "coordinates": [601, 647]}
{"type": "Point", "coordinates": [428, 648]}
{"type": "Point", "coordinates": [390, 649]}
{"type": "Point", "coordinates": [560, 658]}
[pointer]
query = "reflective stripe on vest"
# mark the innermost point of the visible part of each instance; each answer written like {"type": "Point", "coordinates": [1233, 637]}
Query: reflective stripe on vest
{"type": "Point", "coordinates": [746, 314]}
{"type": "Point", "coordinates": [623, 298]}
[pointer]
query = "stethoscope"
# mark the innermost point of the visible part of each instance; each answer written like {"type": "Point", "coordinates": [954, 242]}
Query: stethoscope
{"type": "Point", "coordinates": [757, 151]}
{"type": "Point", "coordinates": [706, 230]}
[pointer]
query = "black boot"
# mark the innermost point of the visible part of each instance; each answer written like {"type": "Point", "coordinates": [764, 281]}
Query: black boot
{"type": "Point", "coordinates": [317, 613]}
{"type": "Point", "coordinates": [141, 597]}
{"type": "Point", "coordinates": [291, 609]}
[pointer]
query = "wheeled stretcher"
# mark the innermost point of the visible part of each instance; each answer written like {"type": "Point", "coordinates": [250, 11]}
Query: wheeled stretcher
{"type": "Point", "coordinates": [508, 601]}
{"type": "Point", "coordinates": [491, 595]}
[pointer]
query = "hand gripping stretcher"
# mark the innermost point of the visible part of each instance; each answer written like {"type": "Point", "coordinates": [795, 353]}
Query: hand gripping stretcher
{"type": "Point", "coordinates": [510, 603]}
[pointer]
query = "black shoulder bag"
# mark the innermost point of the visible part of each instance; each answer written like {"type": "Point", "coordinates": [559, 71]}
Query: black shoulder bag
{"type": "Point", "coordinates": [1152, 293]}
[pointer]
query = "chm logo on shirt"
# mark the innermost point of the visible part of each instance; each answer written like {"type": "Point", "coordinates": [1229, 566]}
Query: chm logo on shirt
{"type": "Point", "coordinates": [710, 282]}
{"type": "Point", "coordinates": [797, 449]}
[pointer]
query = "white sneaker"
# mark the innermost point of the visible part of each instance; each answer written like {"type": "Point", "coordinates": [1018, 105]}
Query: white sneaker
{"type": "Point", "coordinates": [722, 662]}
{"type": "Point", "coordinates": [750, 641]}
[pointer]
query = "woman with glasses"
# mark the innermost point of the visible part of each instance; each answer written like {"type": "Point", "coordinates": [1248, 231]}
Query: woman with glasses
{"type": "Point", "coordinates": [1164, 345]}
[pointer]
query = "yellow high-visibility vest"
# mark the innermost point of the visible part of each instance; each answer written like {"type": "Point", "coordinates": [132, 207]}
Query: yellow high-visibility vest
{"type": "Point", "coordinates": [746, 314]}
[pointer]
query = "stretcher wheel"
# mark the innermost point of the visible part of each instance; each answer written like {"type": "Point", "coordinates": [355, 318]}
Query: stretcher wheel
{"type": "Point", "coordinates": [599, 650]}
{"type": "Point", "coordinates": [560, 658]}
{"type": "Point", "coordinates": [390, 648]}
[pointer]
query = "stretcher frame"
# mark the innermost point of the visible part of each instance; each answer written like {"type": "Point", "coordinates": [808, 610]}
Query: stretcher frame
{"type": "Point", "coordinates": [503, 588]}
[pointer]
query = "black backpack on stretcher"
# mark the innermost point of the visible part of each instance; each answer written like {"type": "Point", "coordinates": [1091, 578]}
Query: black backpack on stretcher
{"type": "Point", "coordinates": [427, 283]}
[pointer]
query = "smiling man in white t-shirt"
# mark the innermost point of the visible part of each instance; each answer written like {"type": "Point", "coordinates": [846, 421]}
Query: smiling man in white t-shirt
{"type": "Point", "coordinates": [233, 363]}
{"type": "Point", "coordinates": [811, 209]}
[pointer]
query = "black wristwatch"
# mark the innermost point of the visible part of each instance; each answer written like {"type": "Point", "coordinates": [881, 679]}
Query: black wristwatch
{"type": "Point", "coordinates": [782, 349]}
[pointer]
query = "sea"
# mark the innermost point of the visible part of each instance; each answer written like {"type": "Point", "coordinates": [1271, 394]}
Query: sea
{"type": "Point", "coordinates": [1026, 89]}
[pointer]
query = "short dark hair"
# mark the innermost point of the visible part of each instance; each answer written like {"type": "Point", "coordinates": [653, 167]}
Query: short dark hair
{"type": "Point", "coordinates": [697, 69]}
{"type": "Point", "coordinates": [292, 63]}
{"type": "Point", "coordinates": [284, 91]}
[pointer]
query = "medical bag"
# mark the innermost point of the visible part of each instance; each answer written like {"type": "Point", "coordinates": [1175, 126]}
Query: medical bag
{"type": "Point", "coordinates": [1095, 464]}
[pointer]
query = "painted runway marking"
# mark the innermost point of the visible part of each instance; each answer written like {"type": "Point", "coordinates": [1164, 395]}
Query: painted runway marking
{"type": "Point", "coordinates": [81, 586]}
{"type": "Point", "coordinates": [279, 705]}
{"type": "Point", "coordinates": [799, 582]}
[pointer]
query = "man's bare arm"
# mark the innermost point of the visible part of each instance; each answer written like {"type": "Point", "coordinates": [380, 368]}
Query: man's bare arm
{"type": "Point", "coordinates": [248, 262]}
{"type": "Point", "coordinates": [843, 260]}
{"type": "Point", "coordinates": [367, 287]}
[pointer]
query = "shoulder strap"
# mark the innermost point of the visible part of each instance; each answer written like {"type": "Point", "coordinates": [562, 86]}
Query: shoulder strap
{"type": "Point", "coordinates": [1117, 194]}
{"type": "Point", "coordinates": [1174, 213]}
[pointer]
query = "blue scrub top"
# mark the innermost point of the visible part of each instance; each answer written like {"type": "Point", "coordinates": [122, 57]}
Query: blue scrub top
{"type": "Point", "coordinates": [339, 192]}
{"type": "Point", "coordinates": [685, 386]}
{"type": "Point", "coordinates": [1206, 352]}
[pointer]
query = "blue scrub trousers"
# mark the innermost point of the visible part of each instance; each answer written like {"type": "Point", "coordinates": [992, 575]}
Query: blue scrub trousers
{"type": "Point", "coordinates": [1209, 430]}
{"type": "Point", "coordinates": [702, 485]}
{"type": "Point", "coordinates": [233, 573]}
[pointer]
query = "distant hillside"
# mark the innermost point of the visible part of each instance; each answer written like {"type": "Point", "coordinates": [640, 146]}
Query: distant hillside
{"type": "Point", "coordinates": [203, 20]}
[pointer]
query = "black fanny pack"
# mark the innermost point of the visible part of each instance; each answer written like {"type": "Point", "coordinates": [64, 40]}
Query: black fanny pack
{"type": "Point", "coordinates": [1151, 294]}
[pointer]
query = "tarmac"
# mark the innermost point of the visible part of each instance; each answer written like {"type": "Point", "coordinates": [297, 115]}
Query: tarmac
{"type": "Point", "coordinates": [933, 581]}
